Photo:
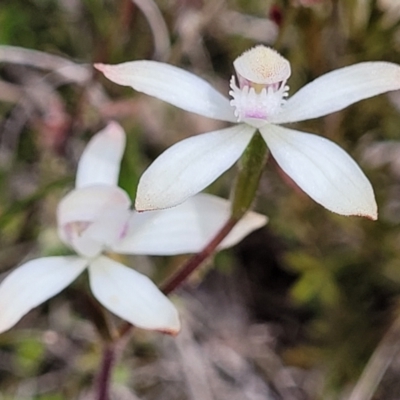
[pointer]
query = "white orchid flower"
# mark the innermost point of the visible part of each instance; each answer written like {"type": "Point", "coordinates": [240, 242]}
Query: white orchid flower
{"type": "Point", "coordinates": [96, 217]}
{"type": "Point", "coordinates": [319, 167]}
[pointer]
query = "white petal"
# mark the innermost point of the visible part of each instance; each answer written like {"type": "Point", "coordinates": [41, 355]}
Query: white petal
{"type": "Point", "coordinates": [33, 283]}
{"type": "Point", "coordinates": [91, 217]}
{"type": "Point", "coordinates": [110, 226]}
{"type": "Point", "coordinates": [338, 89]}
{"type": "Point", "coordinates": [189, 166]}
{"type": "Point", "coordinates": [323, 170]}
{"type": "Point", "coordinates": [86, 204]}
{"type": "Point", "coordinates": [132, 296]}
{"type": "Point", "coordinates": [108, 229]}
{"type": "Point", "coordinates": [100, 161]}
{"type": "Point", "coordinates": [186, 228]}
{"type": "Point", "coordinates": [173, 85]}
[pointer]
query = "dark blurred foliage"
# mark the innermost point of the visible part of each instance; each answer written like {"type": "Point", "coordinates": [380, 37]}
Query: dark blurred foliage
{"type": "Point", "coordinates": [317, 293]}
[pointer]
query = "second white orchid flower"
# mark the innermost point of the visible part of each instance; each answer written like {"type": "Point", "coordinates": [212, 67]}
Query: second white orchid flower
{"type": "Point", "coordinates": [318, 166]}
{"type": "Point", "coordinates": [96, 218]}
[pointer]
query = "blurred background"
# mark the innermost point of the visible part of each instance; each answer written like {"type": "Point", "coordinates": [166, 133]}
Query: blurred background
{"type": "Point", "coordinates": [305, 308]}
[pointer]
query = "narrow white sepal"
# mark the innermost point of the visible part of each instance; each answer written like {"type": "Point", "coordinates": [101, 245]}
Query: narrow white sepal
{"type": "Point", "coordinates": [33, 283]}
{"type": "Point", "coordinates": [173, 85]}
{"type": "Point", "coordinates": [186, 228]}
{"type": "Point", "coordinates": [189, 166]}
{"type": "Point", "coordinates": [132, 296]}
{"type": "Point", "coordinates": [100, 161]}
{"type": "Point", "coordinates": [338, 89]}
{"type": "Point", "coordinates": [323, 170]}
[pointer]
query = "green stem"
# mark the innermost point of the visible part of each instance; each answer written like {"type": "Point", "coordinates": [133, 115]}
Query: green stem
{"type": "Point", "coordinates": [250, 169]}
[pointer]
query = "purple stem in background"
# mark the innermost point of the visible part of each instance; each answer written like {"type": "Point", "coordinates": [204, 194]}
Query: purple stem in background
{"type": "Point", "coordinates": [104, 377]}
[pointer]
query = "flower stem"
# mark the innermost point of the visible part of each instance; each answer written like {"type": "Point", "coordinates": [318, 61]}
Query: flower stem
{"type": "Point", "coordinates": [104, 377]}
{"type": "Point", "coordinates": [246, 185]}
{"type": "Point", "coordinates": [248, 178]}
{"type": "Point", "coordinates": [251, 166]}
{"type": "Point", "coordinates": [188, 267]}
{"type": "Point", "coordinates": [196, 260]}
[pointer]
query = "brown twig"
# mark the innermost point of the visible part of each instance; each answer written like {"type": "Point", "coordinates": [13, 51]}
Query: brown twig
{"type": "Point", "coordinates": [383, 356]}
{"type": "Point", "coordinates": [159, 29]}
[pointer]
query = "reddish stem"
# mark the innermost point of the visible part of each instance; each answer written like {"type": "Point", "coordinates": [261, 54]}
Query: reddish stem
{"type": "Point", "coordinates": [189, 266]}
{"type": "Point", "coordinates": [104, 377]}
{"type": "Point", "coordinates": [197, 259]}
